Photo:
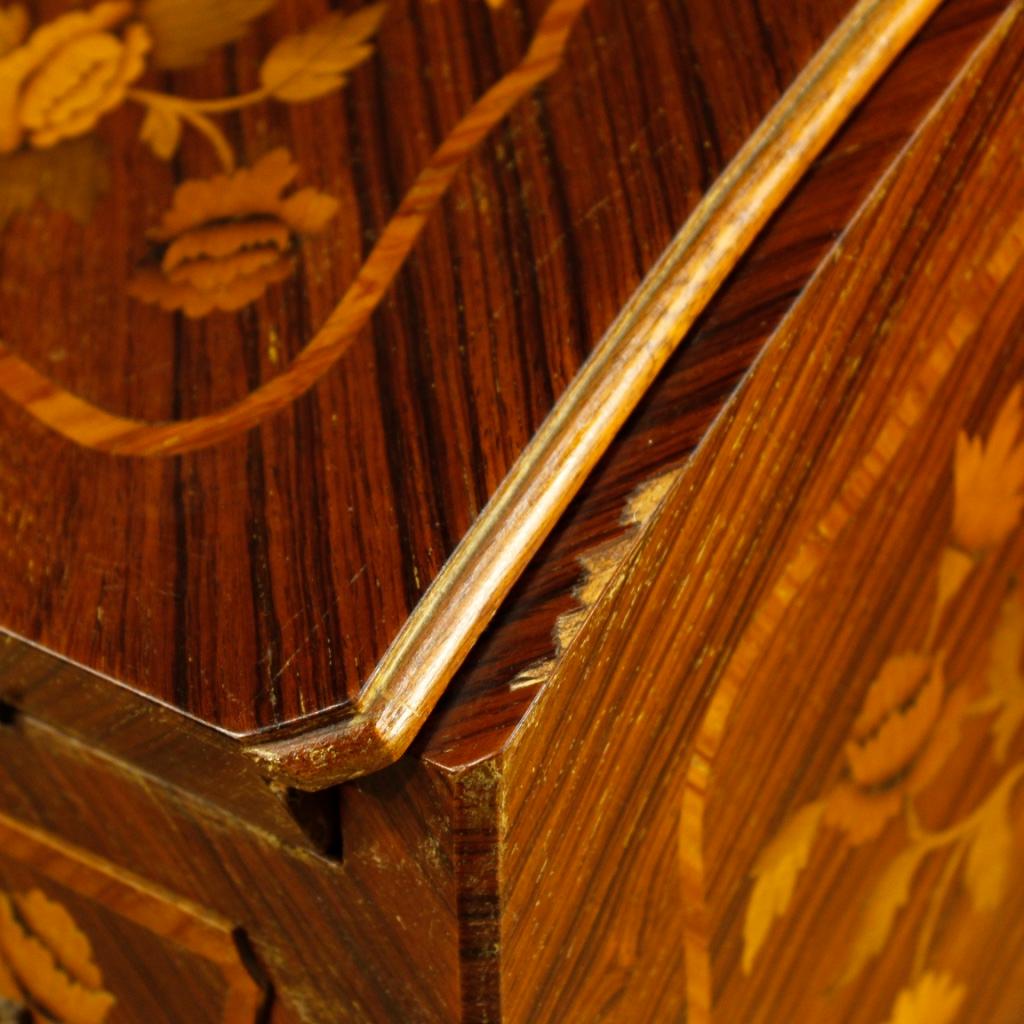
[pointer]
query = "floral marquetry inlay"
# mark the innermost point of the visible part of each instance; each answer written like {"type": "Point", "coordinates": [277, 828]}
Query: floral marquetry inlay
{"type": "Point", "coordinates": [110, 946]}
{"type": "Point", "coordinates": [935, 999]}
{"type": "Point", "coordinates": [226, 238]}
{"type": "Point", "coordinates": [46, 962]}
{"type": "Point", "coordinates": [906, 733]}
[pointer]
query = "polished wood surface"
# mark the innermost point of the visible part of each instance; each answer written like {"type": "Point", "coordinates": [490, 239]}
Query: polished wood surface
{"type": "Point", "coordinates": [313, 595]}
{"type": "Point", "coordinates": [315, 535]}
{"type": "Point", "coordinates": [406, 685]}
{"type": "Point", "coordinates": [370, 936]}
{"type": "Point", "coordinates": [740, 647]}
{"type": "Point", "coordinates": [743, 743]}
{"type": "Point", "coordinates": [508, 667]}
{"type": "Point", "coordinates": [155, 740]}
{"type": "Point", "coordinates": [54, 967]}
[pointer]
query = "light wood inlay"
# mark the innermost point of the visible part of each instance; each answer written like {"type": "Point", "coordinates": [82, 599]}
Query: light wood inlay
{"type": "Point", "coordinates": [179, 922]}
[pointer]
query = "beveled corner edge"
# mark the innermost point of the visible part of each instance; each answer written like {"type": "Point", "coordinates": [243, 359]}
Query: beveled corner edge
{"type": "Point", "coordinates": [456, 608]}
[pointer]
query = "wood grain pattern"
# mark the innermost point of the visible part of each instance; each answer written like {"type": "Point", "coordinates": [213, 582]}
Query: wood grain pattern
{"type": "Point", "coordinates": [506, 668]}
{"type": "Point", "coordinates": [774, 772]}
{"type": "Point", "coordinates": [374, 937]}
{"type": "Point", "coordinates": [874, 372]}
{"type": "Point", "coordinates": [349, 591]}
{"type": "Point", "coordinates": [86, 424]}
{"type": "Point", "coordinates": [971, 306]}
{"type": "Point", "coordinates": [240, 998]}
{"type": "Point", "coordinates": [411, 677]}
{"type": "Point", "coordinates": [312, 598]}
{"type": "Point", "coordinates": [47, 961]}
{"type": "Point", "coordinates": [156, 741]}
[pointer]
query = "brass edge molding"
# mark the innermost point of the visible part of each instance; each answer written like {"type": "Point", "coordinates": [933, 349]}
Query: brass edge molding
{"type": "Point", "coordinates": [414, 672]}
{"type": "Point", "coordinates": [859, 486]}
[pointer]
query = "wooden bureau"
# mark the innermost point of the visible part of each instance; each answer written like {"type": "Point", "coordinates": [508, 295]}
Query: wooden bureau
{"type": "Point", "coordinates": [512, 511]}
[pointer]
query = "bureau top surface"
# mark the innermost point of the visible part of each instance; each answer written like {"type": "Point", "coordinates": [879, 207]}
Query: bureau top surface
{"type": "Point", "coordinates": [287, 288]}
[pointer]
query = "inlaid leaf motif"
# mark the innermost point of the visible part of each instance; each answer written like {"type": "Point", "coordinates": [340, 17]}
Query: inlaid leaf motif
{"type": "Point", "coordinates": [989, 480]}
{"type": "Point", "coordinates": [899, 715]}
{"type": "Point", "coordinates": [53, 925]}
{"type": "Point", "coordinates": [185, 31]}
{"type": "Point", "coordinates": [891, 892]}
{"type": "Point", "coordinates": [68, 178]}
{"type": "Point", "coordinates": [1005, 680]}
{"type": "Point", "coordinates": [161, 131]}
{"type": "Point", "coordinates": [908, 728]}
{"type": "Point", "coordinates": [775, 875]}
{"type": "Point", "coordinates": [50, 960]}
{"type": "Point", "coordinates": [990, 854]}
{"type": "Point", "coordinates": [935, 999]}
{"type": "Point", "coordinates": [314, 63]}
{"type": "Point", "coordinates": [226, 239]}
{"type": "Point", "coordinates": [954, 567]}
{"type": "Point", "coordinates": [68, 74]}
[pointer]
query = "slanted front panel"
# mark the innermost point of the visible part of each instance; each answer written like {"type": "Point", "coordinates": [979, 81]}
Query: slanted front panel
{"type": "Point", "coordinates": [779, 773]}
{"type": "Point", "coordinates": [864, 820]}
{"type": "Point", "coordinates": [853, 822]}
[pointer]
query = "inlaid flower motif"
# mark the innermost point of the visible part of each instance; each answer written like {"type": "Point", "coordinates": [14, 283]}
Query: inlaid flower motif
{"type": "Point", "coordinates": [226, 239]}
{"type": "Point", "coordinates": [57, 82]}
{"type": "Point", "coordinates": [935, 999]}
{"type": "Point", "coordinates": [13, 28]}
{"type": "Point", "coordinates": [989, 481]}
{"type": "Point", "coordinates": [906, 730]}
{"type": "Point", "coordinates": [46, 962]}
